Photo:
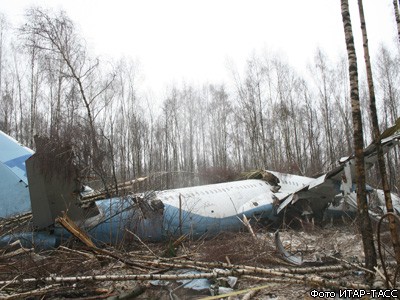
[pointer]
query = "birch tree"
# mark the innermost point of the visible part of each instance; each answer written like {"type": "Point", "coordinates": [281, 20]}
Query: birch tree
{"type": "Point", "coordinates": [55, 34]}
{"type": "Point", "coordinates": [363, 214]}
{"type": "Point", "coordinates": [397, 17]}
{"type": "Point", "coordinates": [376, 134]}
{"type": "Point", "coordinates": [388, 72]}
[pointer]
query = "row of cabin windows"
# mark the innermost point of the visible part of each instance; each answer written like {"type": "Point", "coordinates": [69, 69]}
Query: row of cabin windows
{"type": "Point", "coordinates": [290, 182]}
{"type": "Point", "coordinates": [215, 191]}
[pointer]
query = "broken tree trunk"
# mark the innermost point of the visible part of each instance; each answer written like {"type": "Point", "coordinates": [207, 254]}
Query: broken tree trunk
{"type": "Point", "coordinates": [69, 225]}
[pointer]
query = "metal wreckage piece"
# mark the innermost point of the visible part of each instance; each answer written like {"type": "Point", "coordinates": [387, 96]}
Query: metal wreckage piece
{"type": "Point", "coordinates": [55, 191]}
{"type": "Point", "coordinates": [14, 192]}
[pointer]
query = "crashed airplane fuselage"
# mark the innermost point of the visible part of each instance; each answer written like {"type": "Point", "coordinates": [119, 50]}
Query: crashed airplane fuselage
{"type": "Point", "coordinates": [194, 211]}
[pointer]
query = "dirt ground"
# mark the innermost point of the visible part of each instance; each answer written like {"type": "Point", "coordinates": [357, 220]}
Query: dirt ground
{"type": "Point", "coordinates": [333, 246]}
{"type": "Point", "coordinates": [314, 245]}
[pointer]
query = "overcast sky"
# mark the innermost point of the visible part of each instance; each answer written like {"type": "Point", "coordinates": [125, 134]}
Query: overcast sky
{"type": "Point", "coordinates": [176, 40]}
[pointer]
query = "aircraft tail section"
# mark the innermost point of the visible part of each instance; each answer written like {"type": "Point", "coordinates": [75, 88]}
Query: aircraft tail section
{"type": "Point", "coordinates": [54, 184]}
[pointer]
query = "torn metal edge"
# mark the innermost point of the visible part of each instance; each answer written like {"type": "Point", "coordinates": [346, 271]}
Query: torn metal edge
{"type": "Point", "coordinates": [290, 258]}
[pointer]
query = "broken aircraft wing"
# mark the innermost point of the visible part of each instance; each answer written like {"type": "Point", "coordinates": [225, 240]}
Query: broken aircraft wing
{"type": "Point", "coordinates": [320, 191]}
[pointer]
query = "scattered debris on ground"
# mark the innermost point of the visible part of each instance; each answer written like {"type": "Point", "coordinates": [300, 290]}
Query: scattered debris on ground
{"type": "Point", "coordinates": [242, 265]}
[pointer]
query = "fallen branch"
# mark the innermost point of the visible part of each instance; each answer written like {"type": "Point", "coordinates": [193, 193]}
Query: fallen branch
{"type": "Point", "coordinates": [306, 279]}
{"type": "Point", "coordinates": [289, 273]}
{"type": "Point", "coordinates": [16, 253]}
{"type": "Point", "coordinates": [87, 254]}
{"type": "Point", "coordinates": [300, 270]}
{"type": "Point", "coordinates": [246, 223]}
{"type": "Point", "coordinates": [32, 293]}
{"type": "Point", "coordinates": [69, 225]}
{"type": "Point", "coordinates": [74, 229]}
{"type": "Point", "coordinates": [274, 280]}
{"type": "Point", "coordinates": [129, 277]}
{"type": "Point", "coordinates": [143, 243]}
{"type": "Point", "coordinates": [173, 265]}
{"type": "Point", "coordinates": [352, 264]}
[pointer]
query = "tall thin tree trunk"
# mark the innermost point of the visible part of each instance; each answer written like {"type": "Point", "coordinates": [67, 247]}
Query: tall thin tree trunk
{"type": "Point", "coordinates": [376, 135]}
{"type": "Point", "coordinates": [33, 98]}
{"type": "Point", "coordinates": [397, 16]}
{"type": "Point", "coordinates": [363, 215]}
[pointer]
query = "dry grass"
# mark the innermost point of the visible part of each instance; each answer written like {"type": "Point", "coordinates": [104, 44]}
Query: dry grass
{"type": "Point", "coordinates": [238, 248]}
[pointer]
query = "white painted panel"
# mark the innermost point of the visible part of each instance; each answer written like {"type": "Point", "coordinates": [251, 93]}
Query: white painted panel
{"type": "Point", "coordinates": [14, 194]}
{"type": "Point", "coordinates": [14, 155]}
{"type": "Point", "coordinates": [219, 200]}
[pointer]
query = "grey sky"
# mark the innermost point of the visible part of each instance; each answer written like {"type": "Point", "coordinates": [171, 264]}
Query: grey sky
{"type": "Point", "coordinates": [194, 40]}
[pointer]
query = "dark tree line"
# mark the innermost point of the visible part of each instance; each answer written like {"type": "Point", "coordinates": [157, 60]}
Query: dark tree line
{"type": "Point", "coordinates": [266, 116]}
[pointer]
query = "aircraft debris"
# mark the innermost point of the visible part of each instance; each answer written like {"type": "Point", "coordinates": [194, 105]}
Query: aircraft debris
{"type": "Point", "coordinates": [80, 272]}
{"type": "Point", "coordinates": [290, 258]}
{"type": "Point", "coordinates": [14, 192]}
{"type": "Point", "coordinates": [55, 187]}
{"type": "Point", "coordinates": [56, 193]}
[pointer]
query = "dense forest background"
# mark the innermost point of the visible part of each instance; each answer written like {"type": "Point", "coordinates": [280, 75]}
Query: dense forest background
{"type": "Point", "coordinates": [265, 116]}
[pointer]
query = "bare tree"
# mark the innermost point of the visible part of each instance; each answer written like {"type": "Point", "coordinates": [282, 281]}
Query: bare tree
{"type": "Point", "coordinates": [363, 214]}
{"type": "Point", "coordinates": [3, 123]}
{"type": "Point", "coordinates": [55, 35]}
{"type": "Point", "coordinates": [34, 87]}
{"type": "Point", "coordinates": [397, 16]}
{"type": "Point", "coordinates": [324, 76]}
{"type": "Point", "coordinates": [376, 134]}
{"type": "Point", "coordinates": [2, 30]}
{"type": "Point", "coordinates": [388, 75]}
{"type": "Point", "coordinates": [220, 111]}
